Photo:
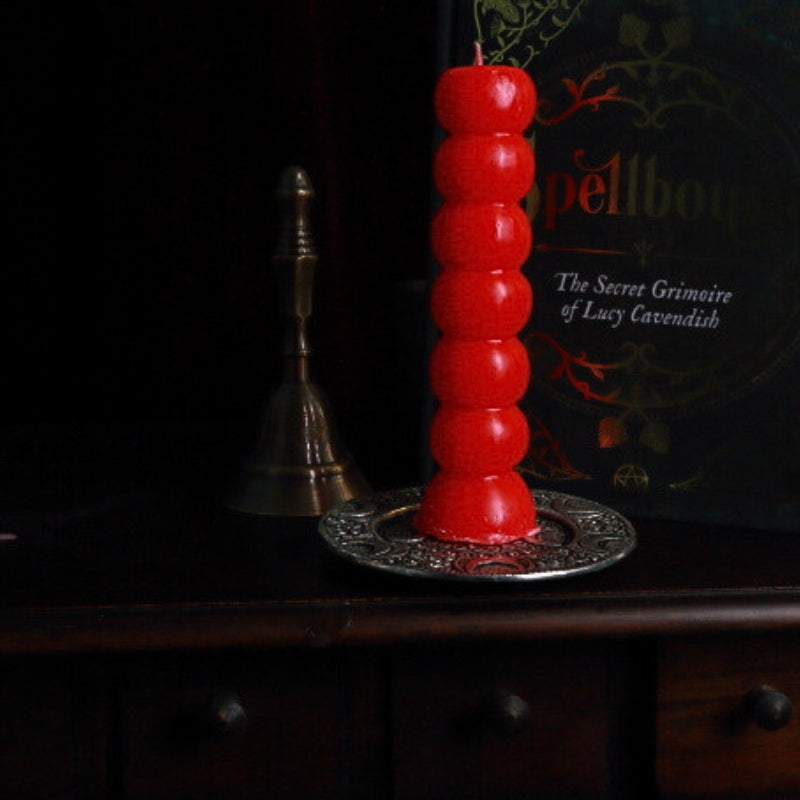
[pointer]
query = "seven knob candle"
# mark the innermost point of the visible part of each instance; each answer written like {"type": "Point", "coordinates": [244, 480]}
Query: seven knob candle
{"type": "Point", "coordinates": [480, 301]}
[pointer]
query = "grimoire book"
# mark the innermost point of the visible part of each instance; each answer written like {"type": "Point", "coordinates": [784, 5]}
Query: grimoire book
{"type": "Point", "coordinates": [666, 258]}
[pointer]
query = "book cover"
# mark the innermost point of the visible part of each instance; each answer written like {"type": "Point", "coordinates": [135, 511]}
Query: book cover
{"type": "Point", "coordinates": [666, 258]}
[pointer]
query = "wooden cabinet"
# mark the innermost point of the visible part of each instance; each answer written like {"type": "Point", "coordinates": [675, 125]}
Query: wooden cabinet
{"type": "Point", "coordinates": [55, 727]}
{"type": "Point", "coordinates": [597, 718]}
{"type": "Point", "coordinates": [193, 655]}
{"type": "Point", "coordinates": [572, 719]}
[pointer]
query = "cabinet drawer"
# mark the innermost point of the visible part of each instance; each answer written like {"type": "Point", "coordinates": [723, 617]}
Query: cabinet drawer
{"type": "Point", "coordinates": [53, 734]}
{"type": "Point", "coordinates": [709, 741]}
{"type": "Point", "coordinates": [460, 728]}
{"type": "Point", "coordinates": [268, 724]}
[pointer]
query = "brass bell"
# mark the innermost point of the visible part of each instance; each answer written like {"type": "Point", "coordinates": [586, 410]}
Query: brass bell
{"type": "Point", "coordinates": [299, 466]}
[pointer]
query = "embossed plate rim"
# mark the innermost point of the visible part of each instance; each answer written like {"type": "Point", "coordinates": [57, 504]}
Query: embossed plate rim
{"type": "Point", "coordinates": [357, 523]}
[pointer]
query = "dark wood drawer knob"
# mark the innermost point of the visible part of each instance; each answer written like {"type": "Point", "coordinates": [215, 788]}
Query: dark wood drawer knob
{"type": "Point", "coordinates": [768, 708]}
{"type": "Point", "coordinates": [505, 714]}
{"type": "Point", "coordinates": [225, 716]}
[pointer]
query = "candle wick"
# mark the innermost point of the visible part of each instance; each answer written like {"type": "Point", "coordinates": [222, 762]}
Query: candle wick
{"type": "Point", "coordinates": [478, 60]}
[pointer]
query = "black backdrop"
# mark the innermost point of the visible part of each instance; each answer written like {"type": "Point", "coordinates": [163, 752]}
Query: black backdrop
{"type": "Point", "coordinates": [146, 139]}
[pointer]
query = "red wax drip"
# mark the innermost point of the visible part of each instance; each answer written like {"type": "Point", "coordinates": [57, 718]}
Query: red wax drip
{"type": "Point", "coordinates": [480, 301]}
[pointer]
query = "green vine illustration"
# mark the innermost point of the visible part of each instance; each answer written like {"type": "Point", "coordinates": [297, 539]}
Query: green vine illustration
{"type": "Point", "coordinates": [638, 361]}
{"type": "Point", "coordinates": [516, 31]}
{"type": "Point", "coordinates": [644, 388]}
{"type": "Point", "coordinates": [519, 30]}
{"type": "Point", "coordinates": [715, 97]}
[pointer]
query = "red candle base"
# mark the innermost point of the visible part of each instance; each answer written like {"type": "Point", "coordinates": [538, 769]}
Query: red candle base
{"type": "Point", "coordinates": [496, 509]}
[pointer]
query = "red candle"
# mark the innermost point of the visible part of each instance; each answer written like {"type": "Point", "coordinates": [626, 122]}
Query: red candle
{"type": "Point", "coordinates": [480, 301]}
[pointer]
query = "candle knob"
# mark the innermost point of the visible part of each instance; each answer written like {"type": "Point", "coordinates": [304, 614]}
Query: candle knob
{"type": "Point", "coordinates": [225, 716]}
{"type": "Point", "coordinates": [505, 714]}
{"type": "Point", "coordinates": [768, 708]}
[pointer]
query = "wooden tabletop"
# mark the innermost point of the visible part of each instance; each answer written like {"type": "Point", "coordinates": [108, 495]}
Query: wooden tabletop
{"type": "Point", "coordinates": [173, 571]}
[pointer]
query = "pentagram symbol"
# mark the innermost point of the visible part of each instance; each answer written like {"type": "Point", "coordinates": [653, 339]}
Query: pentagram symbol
{"type": "Point", "coordinates": [631, 478]}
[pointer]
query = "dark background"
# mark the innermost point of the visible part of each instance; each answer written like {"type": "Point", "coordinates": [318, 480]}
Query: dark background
{"type": "Point", "coordinates": [140, 313]}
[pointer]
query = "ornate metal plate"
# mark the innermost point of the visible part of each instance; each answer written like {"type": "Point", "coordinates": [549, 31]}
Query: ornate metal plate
{"type": "Point", "coordinates": [575, 536]}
